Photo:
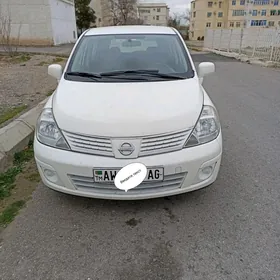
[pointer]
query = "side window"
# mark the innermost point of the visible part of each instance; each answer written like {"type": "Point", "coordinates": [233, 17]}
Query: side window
{"type": "Point", "coordinates": [180, 52]}
{"type": "Point", "coordinates": [177, 60]}
{"type": "Point", "coordinates": [80, 58]}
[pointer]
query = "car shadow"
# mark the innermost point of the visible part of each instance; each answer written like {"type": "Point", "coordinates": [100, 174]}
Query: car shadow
{"type": "Point", "coordinates": [134, 206]}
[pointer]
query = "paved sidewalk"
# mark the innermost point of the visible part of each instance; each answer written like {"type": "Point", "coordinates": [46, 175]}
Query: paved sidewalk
{"type": "Point", "coordinates": [56, 50]}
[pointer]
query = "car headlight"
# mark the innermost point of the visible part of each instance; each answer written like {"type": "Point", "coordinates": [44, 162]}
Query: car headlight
{"type": "Point", "coordinates": [48, 133]}
{"type": "Point", "coordinates": [207, 128]}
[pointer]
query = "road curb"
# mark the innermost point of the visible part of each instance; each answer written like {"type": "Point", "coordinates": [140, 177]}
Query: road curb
{"type": "Point", "coordinates": [64, 55]}
{"type": "Point", "coordinates": [245, 58]}
{"type": "Point", "coordinates": [15, 136]}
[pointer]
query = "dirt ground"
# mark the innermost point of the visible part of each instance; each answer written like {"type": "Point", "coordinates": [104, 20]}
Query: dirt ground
{"type": "Point", "coordinates": [24, 81]}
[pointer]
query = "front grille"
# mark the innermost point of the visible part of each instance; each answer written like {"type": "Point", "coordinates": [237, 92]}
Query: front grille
{"type": "Point", "coordinates": [87, 184]}
{"type": "Point", "coordinates": [163, 143]}
{"type": "Point", "coordinates": [150, 145]}
{"type": "Point", "coordinates": [89, 144]}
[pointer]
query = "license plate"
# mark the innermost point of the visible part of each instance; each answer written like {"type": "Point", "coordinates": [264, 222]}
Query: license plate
{"type": "Point", "coordinates": [108, 175]}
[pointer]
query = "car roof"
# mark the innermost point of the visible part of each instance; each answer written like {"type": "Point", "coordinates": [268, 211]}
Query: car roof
{"type": "Point", "coordinates": [130, 29]}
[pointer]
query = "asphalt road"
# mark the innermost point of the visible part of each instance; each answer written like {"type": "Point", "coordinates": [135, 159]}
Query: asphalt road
{"type": "Point", "coordinates": [230, 230]}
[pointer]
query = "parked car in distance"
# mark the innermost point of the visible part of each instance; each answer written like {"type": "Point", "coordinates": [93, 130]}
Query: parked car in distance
{"type": "Point", "coordinates": [129, 94]}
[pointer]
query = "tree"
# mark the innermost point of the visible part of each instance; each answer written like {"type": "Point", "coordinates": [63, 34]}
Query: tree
{"type": "Point", "coordinates": [186, 16]}
{"type": "Point", "coordinates": [175, 20]}
{"type": "Point", "coordinates": [179, 22]}
{"type": "Point", "coordinates": [8, 40]}
{"type": "Point", "coordinates": [121, 12]}
{"type": "Point", "coordinates": [85, 15]}
{"type": "Point", "coordinates": [179, 19]}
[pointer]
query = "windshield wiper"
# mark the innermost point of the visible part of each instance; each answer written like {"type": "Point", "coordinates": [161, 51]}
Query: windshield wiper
{"type": "Point", "coordinates": [121, 72]}
{"type": "Point", "coordinates": [142, 72]}
{"type": "Point", "coordinates": [95, 76]}
{"type": "Point", "coordinates": [166, 76]}
{"type": "Point", "coordinates": [84, 74]}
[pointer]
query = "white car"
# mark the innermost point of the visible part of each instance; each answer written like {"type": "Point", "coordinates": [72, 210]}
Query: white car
{"type": "Point", "coordinates": [129, 94]}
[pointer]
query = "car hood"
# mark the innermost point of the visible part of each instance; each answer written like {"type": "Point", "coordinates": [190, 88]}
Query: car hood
{"type": "Point", "coordinates": [127, 109]}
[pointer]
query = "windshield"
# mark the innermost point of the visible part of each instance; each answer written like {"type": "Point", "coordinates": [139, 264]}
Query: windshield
{"type": "Point", "coordinates": [129, 56]}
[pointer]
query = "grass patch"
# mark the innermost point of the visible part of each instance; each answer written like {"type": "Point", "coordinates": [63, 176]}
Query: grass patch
{"type": "Point", "coordinates": [17, 185]}
{"type": "Point", "coordinates": [25, 155]}
{"type": "Point", "coordinates": [21, 59]}
{"type": "Point", "coordinates": [55, 60]}
{"type": "Point", "coordinates": [58, 59]}
{"type": "Point", "coordinates": [50, 92]}
{"type": "Point", "coordinates": [9, 114]}
{"type": "Point", "coordinates": [7, 179]}
{"type": "Point", "coordinates": [33, 177]}
{"type": "Point", "coordinates": [15, 58]}
{"type": "Point", "coordinates": [10, 212]}
{"type": "Point", "coordinates": [42, 63]}
{"type": "Point", "coordinates": [196, 49]}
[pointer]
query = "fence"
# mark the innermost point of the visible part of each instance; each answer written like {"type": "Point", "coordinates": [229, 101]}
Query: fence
{"type": "Point", "coordinates": [259, 43]}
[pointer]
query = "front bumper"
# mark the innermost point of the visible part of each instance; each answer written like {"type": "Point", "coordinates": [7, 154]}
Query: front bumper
{"type": "Point", "coordinates": [72, 172]}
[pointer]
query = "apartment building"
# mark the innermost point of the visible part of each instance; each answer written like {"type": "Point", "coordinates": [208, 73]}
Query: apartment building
{"type": "Point", "coordinates": [41, 22]}
{"type": "Point", "coordinates": [232, 14]}
{"type": "Point", "coordinates": [154, 13]}
{"type": "Point", "coordinates": [96, 6]}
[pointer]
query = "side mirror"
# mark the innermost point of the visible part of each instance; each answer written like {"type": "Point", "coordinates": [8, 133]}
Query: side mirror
{"type": "Point", "coordinates": [55, 70]}
{"type": "Point", "coordinates": [205, 68]}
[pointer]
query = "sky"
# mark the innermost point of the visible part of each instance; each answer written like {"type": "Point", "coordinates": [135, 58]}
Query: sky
{"type": "Point", "coordinates": [176, 6]}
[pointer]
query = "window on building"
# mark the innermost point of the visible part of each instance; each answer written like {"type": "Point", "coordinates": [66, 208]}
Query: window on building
{"type": "Point", "coordinates": [158, 10]}
{"type": "Point", "coordinates": [231, 24]}
{"type": "Point", "coordinates": [145, 11]}
{"type": "Point", "coordinates": [237, 24]}
{"type": "Point", "coordinates": [254, 13]}
{"type": "Point", "coordinates": [210, 4]}
{"type": "Point", "coordinates": [273, 12]}
{"type": "Point", "coordinates": [278, 12]}
{"type": "Point", "coordinates": [233, 2]}
{"type": "Point", "coordinates": [263, 12]}
{"type": "Point", "coordinates": [219, 24]}
{"type": "Point", "coordinates": [209, 14]}
{"type": "Point", "coordinates": [271, 23]}
{"type": "Point", "coordinates": [238, 13]}
{"type": "Point", "coordinates": [276, 2]}
{"type": "Point", "coordinates": [157, 17]}
{"type": "Point", "coordinates": [194, 14]}
{"type": "Point", "coordinates": [261, 2]}
{"type": "Point", "coordinates": [194, 5]}
{"type": "Point", "coordinates": [220, 5]}
{"type": "Point", "coordinates": [258, 22]}
{"type": "Point", "coordinates": [220, 14]}
{"type": "Point", "coordinates": [193, 25]}
{"type": "Point", "coordinates": [279, 22]}
{"type": "Point", "coordinates": [208, 24]}
{"type": "Point", "coordinates": [242, 2]}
